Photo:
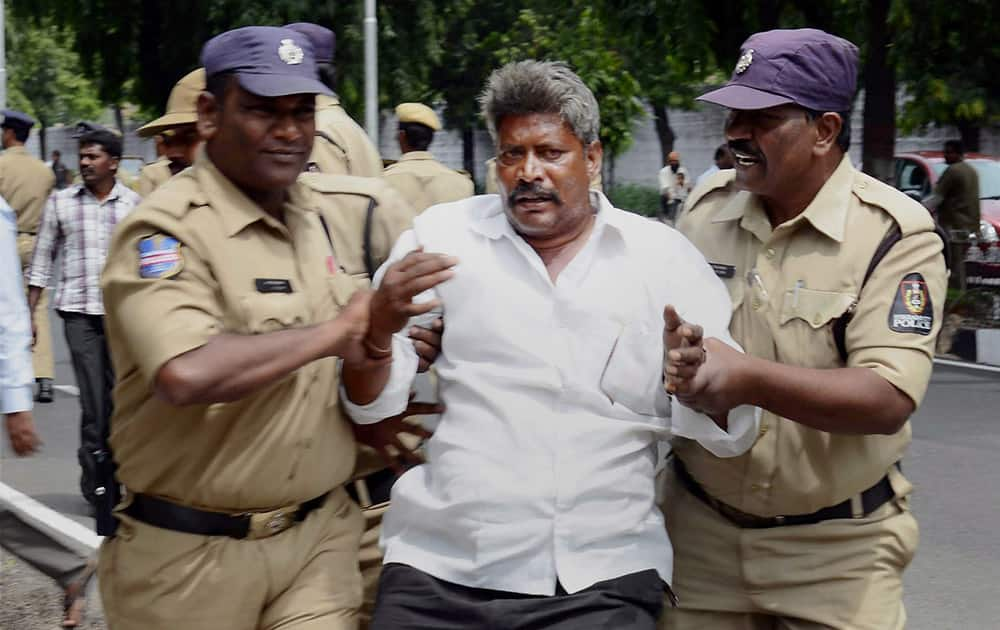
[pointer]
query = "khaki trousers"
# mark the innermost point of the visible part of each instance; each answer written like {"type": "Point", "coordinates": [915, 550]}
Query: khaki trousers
{"type": "Point", "coordinates": [41, 353]}
{"type": "Point", "coordinates": [370, 557]}
{"type": "Point", "coordinates": [842, 574]}
{"type": "Point", "coordinates": [303, 578]}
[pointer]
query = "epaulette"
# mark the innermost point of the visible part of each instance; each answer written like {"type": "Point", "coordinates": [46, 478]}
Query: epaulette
{"type": "Point", "coordinates": [909, 215]}
{"type": "Point", "coordinates": [175, 196]}
{"type": "Point", "coordinates": [721, 180]}
{"type": "Point", "coordinates": [328, 183]}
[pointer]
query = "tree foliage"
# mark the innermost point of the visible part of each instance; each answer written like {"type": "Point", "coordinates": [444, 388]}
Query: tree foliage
{"type": "Point", "coordinates": [45, 77]}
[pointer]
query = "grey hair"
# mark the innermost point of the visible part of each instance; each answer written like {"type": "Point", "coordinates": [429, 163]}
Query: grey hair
{"type": "Point", "coordinates": [540, 87]}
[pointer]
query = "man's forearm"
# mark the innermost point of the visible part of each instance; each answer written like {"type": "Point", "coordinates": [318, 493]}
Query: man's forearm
{"type": "Point", "coordinates": [34, 294]}
{"type": "Point", "coordinates": [841, 400]}
{"type": "Point", "coordinates": [231, 366]}
{"type": "Point", "coordinates": [363, 385]}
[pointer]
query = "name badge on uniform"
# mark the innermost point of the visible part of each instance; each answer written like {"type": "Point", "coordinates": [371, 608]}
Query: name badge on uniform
{"type": "Point", "coordinates": [273, 285]}
{"type": "Point", "coordinates": [912, 311]}
{"type": "Point", "coordinates": [723, 271]}
{"type": "Point", "coordinates": [160, 256]}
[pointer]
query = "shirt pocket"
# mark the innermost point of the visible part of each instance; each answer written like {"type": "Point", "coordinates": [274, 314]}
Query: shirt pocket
{"type": "Point", "coordinates": [633, 376]}
{"type": "Point", "coordinates": [342, 286]}
{"type": "Point", "coordinates": [806, 320]}
{"type": "Point", "coordinates": [269, 312]}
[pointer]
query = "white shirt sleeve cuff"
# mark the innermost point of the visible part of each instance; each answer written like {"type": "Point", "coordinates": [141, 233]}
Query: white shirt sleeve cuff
{"type": "Point", "coordinates": [744, 423]}
{"type": "Point", "coordinates": [17, 399]}
{"type": "Point", "coordinates": [396, 393]}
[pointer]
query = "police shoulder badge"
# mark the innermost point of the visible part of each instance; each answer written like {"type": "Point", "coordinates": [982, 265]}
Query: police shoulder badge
{"type": "Point", "coordinates": [160, 256]}
{"type": "Point", "coordinates": [745, 60]}
{"type": "Point", "coordinates": [912, 311]}
{"type": "Point", "coordinates": [290, 52]}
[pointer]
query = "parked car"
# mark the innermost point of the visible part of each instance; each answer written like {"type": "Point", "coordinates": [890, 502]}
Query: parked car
{"type": "Point", "coordinates": [917, 173]}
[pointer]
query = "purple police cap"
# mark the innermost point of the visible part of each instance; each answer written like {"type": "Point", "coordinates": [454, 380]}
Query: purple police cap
{"type": "Point", "coordinates": [323, 39]}
{"type": "Point", "coordinates": [14, 119]}
{"type": "Point", "coordinates": [805, 66]}
{"type": "Point", "coordinates": [267, 60]}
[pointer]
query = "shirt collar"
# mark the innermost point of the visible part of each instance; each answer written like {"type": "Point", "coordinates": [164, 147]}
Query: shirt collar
{"type": "Point", "coordinates": [116, 191]}
{"type": "Point", "coordinates": [827, 212]}
{"type": "Point", "coordinates": [234, 207]}
{"type": "Point", "coordinates": [416, 155]}
{"type": "Point", "coordinates": [18, 149]}
{"type": "Point", "coordinates": [322, 100]}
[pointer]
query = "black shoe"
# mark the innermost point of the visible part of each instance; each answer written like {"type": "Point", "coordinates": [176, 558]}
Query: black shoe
{"type": "Point", "coordinates": [44, 390]}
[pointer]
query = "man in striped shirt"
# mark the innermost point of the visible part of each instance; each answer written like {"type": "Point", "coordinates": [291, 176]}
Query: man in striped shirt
{"type": "Point", "coordinates": [77, 223]}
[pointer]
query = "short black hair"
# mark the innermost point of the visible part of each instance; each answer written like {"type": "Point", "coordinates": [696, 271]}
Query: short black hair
{"type": "Point", "coordinates": [955, 146]}
{"type": "Point", "coordinates": [109, 142]}
{"type": "Point", "coordinates": [844, 137]}
{"type": "Point", "coordinates": [418, 136]}
{"type": "Point", "coordinates": [327, 74]}
{"type": "Point", "coordinates": [216, 84]}
{"type": "Point", "coordinates": [721, 151]}
{"type": "Point", "coordinates": [21, 132]}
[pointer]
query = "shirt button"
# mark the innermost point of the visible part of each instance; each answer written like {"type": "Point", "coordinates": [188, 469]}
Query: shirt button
{"type": "Point", "coordinates": [755, 304]}
{"type": "Point", "coordinates": [763, 429]}
{"type": "Point", "coordinates": [817, 320]}
{"type": "Point", "coordinates": [770, 252]}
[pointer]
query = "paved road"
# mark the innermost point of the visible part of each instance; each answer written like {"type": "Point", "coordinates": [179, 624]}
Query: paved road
{"type": "Point", "coordinates": [954, 463]}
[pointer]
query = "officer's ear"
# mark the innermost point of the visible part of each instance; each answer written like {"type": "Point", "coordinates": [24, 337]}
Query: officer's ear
{"type": "Point", "coordinates": [209, 113]}
{"type": "Point", "coordinates": [828, 126]}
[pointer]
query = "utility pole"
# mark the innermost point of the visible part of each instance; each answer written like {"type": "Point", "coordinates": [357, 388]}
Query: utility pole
{"type": "Point", "coordinates": [3, 58]}
{"type": "Point", "coordinates": [371, 71]}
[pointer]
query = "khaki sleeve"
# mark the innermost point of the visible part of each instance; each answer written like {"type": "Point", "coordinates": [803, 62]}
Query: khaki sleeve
{"type": "Point", "coordinates": [393, 216]}
{"type": "Point", "coordinates": [898, 317]}
{"type": "Point", "coordinates": [160, 317]}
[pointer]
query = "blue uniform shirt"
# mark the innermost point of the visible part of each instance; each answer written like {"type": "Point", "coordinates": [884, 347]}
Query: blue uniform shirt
{"type": "Point", "coordinates": [16, 377]}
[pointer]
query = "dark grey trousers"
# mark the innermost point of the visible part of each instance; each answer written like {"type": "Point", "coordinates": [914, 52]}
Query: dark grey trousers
{"type": "Point", "coordinates": [409, 599]}
{"type": "Point", "coordinates": [95, 377]}
{"type": "Point", "coordinates": [38, 548]}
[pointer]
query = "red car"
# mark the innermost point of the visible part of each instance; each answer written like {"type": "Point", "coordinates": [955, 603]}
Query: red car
{"type": "Point", "coordinates": [917, 173]}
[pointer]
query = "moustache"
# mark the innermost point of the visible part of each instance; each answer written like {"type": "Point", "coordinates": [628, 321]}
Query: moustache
{"type": "Point", "coordinates": [535, 191]}
{"type": "Point", "coordinates": [745, 148]}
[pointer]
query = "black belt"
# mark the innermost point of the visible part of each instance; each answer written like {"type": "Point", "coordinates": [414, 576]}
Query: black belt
{"type": "Point", "coordinates": [378, 484]}
{"type": "Point", "coordinates": [180, 518]}
{"type": "Point", "coordinates": [29, 233]}
{"type": "Point", "coordinates": [871, 499]}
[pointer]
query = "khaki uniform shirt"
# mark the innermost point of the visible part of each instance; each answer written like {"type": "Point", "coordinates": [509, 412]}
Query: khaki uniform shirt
{"type": "Point", "coordinates": [153, 175]}
{"type": "Point", "coordinates": [25, 182]}
{"type": "Point", "coordinates": [425, 182]}
{"type": "Point", "coordinates": [493, 183]}
{"type": "Point", "coordinates": [341, 145]}
{"type": "Point", "coordinates": [242, 272]}
{"type": "Point", "coordinates": [958, 189]}
{"type": "Point", "coordinates": [788, 285]}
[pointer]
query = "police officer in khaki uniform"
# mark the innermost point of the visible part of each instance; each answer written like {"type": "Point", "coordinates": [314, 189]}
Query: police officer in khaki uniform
{"type": "Point", "coordinates": [176, 131]}
{"type": "Point", "coordinates": [226, 305]}
{"type": "Point", "coordinates": [25, 182]}
{"type": "Point", "coordinates": [812, 527]}
{"type": "Point", "coordinates": [423, 180]}
{"type": "Point", "coordinates": [341, 145]}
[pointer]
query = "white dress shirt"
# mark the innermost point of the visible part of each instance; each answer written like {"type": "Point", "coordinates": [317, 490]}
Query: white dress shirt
{"type": "Point", "coordinates": [16, 376]}
{"type": "Point", "coordinates": [542, 465]}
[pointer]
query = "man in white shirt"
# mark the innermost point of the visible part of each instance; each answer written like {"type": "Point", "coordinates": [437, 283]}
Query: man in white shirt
{"type": "Point", "coordinates": [675, 184]}
{"type": "Point", "coordinates": [535, 508]}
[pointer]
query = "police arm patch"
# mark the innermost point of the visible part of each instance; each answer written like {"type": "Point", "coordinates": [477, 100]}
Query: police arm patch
{"type": "Point", "coordinates": [160, 256]}
{"type": "Point", "coordinates": [912, 311]}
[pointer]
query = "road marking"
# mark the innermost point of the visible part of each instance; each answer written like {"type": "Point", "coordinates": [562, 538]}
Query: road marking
{"type": "Point", "coordinates": [982, 367]}
{"type": "Point", "coordinates": [72, 390]}
{"type": "Point", "coordinates": [44, 514]}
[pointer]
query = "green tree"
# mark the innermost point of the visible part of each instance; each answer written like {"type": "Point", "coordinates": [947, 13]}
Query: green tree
{"type": "Point", "coordinates": [44, 76]}
{"type": "Point", "coordinates": [948, 55]}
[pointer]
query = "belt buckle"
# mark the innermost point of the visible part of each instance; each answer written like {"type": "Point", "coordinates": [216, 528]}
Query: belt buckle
{"type": "Point", "coordinates": [267, 524]}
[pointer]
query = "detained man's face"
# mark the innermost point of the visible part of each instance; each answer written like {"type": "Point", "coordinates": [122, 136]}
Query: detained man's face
{"type": "Point", "coordinates": [544, 171]}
